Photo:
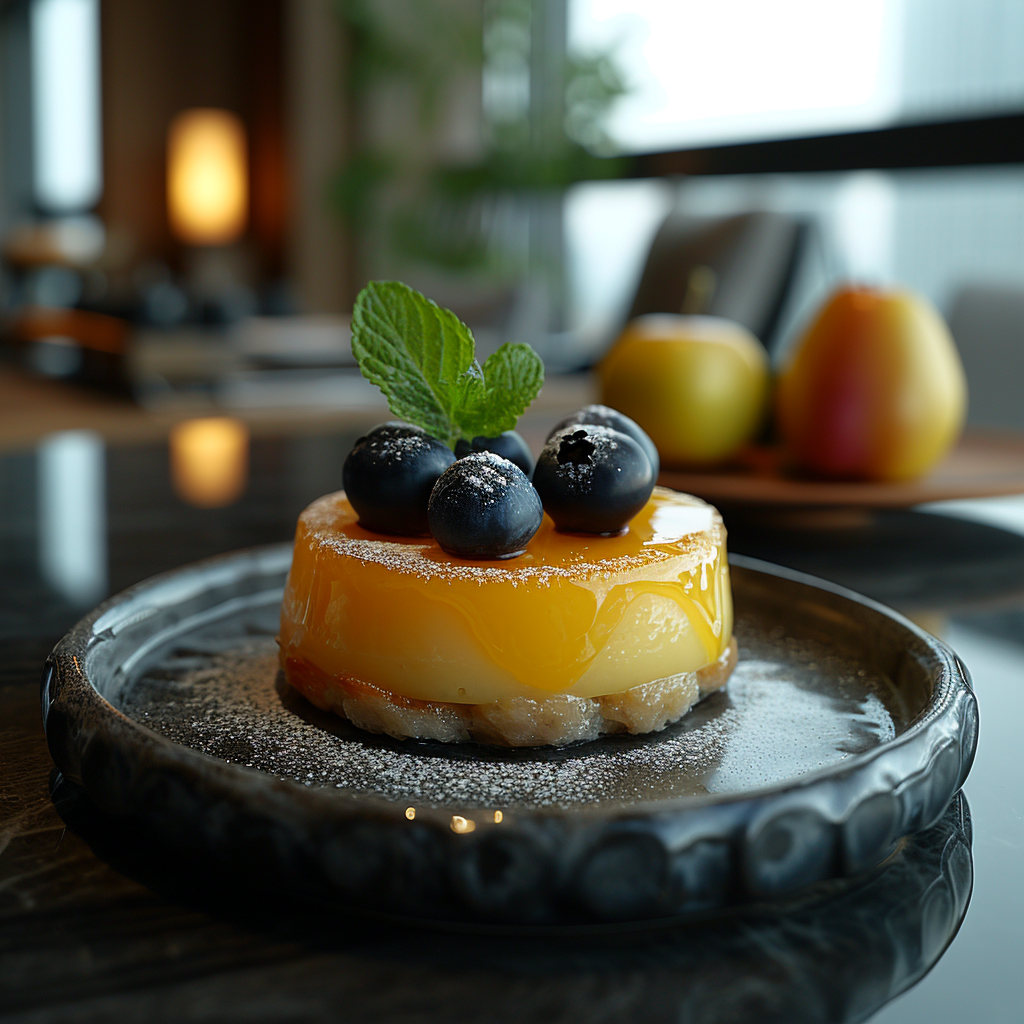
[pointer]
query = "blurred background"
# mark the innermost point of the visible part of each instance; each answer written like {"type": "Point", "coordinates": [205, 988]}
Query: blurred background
{"type": "Point", "coordinates": [192, 193]}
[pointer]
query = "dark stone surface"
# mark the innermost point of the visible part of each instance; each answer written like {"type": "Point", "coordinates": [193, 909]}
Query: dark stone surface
{"type": "Point", "coordinates": [99, 924]}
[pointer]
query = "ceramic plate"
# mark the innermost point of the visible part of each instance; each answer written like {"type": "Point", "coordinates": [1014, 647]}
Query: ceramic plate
{"type": "Point", "coordinates": [833, 955]}
{"type": "Point", "coordinates": [843, 729]}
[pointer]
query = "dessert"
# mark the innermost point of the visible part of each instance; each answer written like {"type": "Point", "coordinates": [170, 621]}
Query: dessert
{"type": "Point", "coordinates": [586, 602]}
{"type": "Point", "coordinates": [576, 637]}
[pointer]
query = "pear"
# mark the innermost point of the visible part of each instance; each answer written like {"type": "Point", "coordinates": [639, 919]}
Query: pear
{"type": "Point", "coordinates": [874, 389]}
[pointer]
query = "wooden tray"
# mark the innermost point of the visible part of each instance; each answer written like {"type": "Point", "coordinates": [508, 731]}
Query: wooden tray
{"type": "Point", "coordinates": [983, 465]}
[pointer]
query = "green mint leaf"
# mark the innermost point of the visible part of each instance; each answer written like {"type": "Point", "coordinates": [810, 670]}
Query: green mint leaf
{"type": "Point", "coordinates": [422, 358]}
{"type": "Point", "coordinates": [513, 377]}
{"type": "Point", "coordinates": [418, 354]}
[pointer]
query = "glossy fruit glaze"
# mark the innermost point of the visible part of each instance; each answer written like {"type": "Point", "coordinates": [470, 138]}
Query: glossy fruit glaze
{"type": "Point", "coordinates": [575, 614]}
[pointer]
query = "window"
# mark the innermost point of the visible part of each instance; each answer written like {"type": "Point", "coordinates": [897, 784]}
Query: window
{"type": "Point", "coordinates": [67, 170]}
{"type": "Point", "coordinates": [741, 70]}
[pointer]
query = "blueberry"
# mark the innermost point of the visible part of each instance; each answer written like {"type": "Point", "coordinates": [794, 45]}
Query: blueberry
{"type": "Point", "coordinates": [396, 428]}
{"type": "Point", "coordinates": [592, 479]}
{"type": "Point", "coordinates": [508, 445]}
{"type": "Point", "coordinates": [389, 474]}
{"type": "Point", "coordinates": [483, 506]}
{"type": "Point", "coordinates": [606, 416]}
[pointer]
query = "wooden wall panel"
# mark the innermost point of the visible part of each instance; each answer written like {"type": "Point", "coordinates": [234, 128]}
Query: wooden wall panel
{"type": "Point", "coordinates": [163, 56]}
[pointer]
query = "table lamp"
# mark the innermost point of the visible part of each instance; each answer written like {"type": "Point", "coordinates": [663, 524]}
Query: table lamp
{"type": "Point", "coordinates": [207, 177]}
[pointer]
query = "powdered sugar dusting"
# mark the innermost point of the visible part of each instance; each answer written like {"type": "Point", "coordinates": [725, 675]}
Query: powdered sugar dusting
{"type": "Point", "coordinates": [410, 558]}
{"type": "Point", "coordinates": [326, 523]}
{"type": "Point", "coordinates": [792, 706]}
{"type": "Point", "coordinates": [395, 449]}
{"type": "Point", "coordinates": [484, 475]}
{"type": "Point", "coordinates": [235, 708]}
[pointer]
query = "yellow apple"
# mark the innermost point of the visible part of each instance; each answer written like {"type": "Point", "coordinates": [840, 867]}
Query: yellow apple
{"type": "Point", "coordinates": [697, 384]}
{"type": "Point", "coordinates": [874, 389]}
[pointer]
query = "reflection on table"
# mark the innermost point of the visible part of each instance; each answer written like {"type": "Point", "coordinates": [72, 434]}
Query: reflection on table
{"type": "Point", "coordinates": [835, 955]}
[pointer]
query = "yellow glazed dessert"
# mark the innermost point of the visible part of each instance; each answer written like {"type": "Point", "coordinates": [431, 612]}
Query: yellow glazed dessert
{"type": "Point", "coordinates": [578, 636]}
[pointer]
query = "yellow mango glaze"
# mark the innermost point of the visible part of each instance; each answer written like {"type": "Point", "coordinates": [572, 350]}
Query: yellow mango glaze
{"type": "Point", "coordinates": [574, 614]}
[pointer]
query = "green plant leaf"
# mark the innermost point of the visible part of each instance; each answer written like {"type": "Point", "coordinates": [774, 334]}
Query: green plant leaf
{"type": "Point", "coordinates": [422, 357]}
{"type": "Point", "coordinates": [513, 377]}
{"type": "Point", "coordinates": [418, 354]}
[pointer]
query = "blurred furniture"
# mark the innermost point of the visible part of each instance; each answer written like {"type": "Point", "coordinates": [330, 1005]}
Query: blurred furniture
{"type": "Point", "coordinates": [987, 322]}
{"type": "Point", "coordinates": [72, 343]}
{"type": "Point", "coordinates": [32, 407]}
{"type": "Point", "coordinates": [740, 267]}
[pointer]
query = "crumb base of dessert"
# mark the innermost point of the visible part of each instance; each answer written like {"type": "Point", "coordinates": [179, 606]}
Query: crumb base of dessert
{"type": "Point", "coordinates": [517, 721]}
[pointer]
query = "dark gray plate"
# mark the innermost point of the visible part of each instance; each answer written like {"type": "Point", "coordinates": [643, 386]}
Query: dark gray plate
{"type": "Point", "coordinates": [834, 954]}
{"type": "Point", "coordinates": [843, 729]}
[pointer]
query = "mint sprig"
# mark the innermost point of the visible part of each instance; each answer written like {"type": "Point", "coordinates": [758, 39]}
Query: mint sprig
{"type": "Point", "coordinates": [422, 357]}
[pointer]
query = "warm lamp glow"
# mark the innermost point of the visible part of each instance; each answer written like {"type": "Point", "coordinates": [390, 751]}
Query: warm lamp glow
{"type": "Point", "coordinates": [207, 179]}
{"type": "Point", "coordinates": [210, 460]}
